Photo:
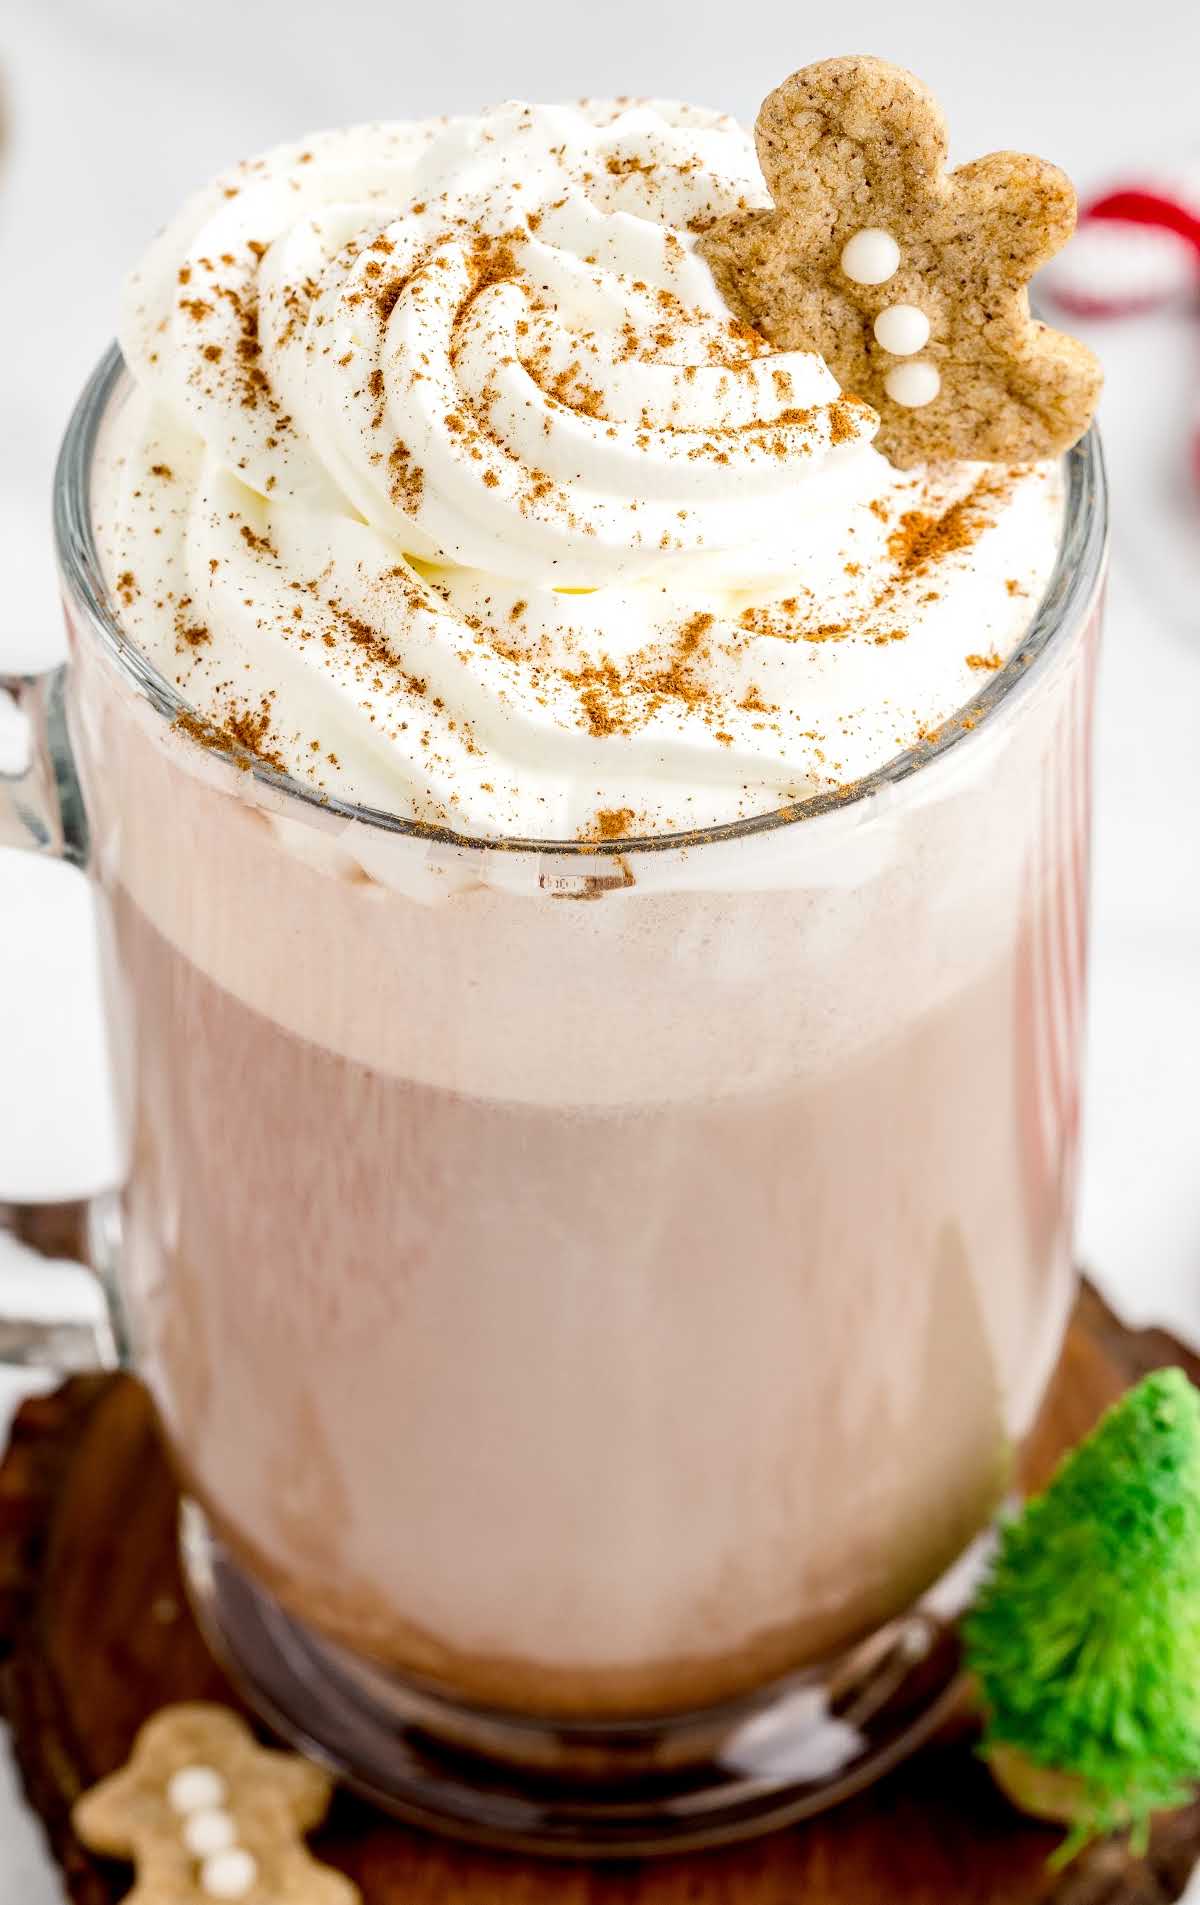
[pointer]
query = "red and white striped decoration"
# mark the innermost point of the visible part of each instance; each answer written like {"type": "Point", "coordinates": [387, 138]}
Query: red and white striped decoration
{"type": "Point", "coordinates": [1136, 249]}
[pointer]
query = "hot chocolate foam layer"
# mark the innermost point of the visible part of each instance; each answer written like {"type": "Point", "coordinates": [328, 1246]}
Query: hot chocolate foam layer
{"type": "Point", "coordinates": [308, 919]}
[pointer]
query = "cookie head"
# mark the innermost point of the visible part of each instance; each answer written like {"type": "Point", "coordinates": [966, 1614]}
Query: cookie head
{"type": "Point", "coordinates": [909, 280]}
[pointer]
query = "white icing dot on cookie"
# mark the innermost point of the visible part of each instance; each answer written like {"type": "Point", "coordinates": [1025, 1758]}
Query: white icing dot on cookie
{"type": "Point", "coordinates": [912, 385]}
{"type": "Point", "coordinates": [204, 1833]}
{"type": "Point", "coordinates": [195, 1789]}
{"type": "Point", "coordinates": [871, 257]}
{"type": "Point", "coordinates": [902, 329]}
{"type": "Point", "coordinates": [229, 1874]}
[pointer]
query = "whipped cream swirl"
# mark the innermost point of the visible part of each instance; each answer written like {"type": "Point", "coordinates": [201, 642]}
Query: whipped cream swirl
{"type": "Point", "coordinates": [492, 355]}
{"type": "Point", "coordinates": [451, 482]}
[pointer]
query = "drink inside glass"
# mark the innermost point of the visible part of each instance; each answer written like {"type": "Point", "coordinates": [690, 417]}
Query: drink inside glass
{"type": "Point", "coordinates": [594, 871]}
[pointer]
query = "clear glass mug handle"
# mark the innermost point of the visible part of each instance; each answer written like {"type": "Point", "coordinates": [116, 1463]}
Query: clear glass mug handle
{"type": "Point", "coordinates": [52, 1312]}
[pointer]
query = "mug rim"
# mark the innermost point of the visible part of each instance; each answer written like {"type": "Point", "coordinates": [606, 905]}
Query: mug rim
{"type": "Point", "coordinates": [1069, 594]}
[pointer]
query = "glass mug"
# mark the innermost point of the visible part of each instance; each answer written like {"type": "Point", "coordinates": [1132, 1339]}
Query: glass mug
{"type": "Point", "coordinates": [594, 1299]}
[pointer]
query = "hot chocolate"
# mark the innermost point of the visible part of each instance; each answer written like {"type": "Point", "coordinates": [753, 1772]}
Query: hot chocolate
{"type": "Point", "coordinates": [602, 923]}
{"type": "Point", "coordinates": [596, 1295]}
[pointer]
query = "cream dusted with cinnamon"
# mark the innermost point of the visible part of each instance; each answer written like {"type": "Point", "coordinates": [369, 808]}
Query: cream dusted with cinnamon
{"type": "Point", "coordinates": [450, 481]}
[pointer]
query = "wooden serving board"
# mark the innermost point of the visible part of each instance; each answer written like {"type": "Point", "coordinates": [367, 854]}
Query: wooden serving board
{"type": "Point", "coordinates": [95, 1635]}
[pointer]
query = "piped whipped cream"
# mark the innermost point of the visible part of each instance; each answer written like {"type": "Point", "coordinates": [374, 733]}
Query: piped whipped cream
{"type": "Point", "coordinates": [448, 482]}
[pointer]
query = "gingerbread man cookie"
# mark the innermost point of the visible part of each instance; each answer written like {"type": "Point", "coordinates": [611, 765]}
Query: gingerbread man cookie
{"type": "Point", "coordinates": [205, 1813]}
{"type": "Point", "coordinates": [908, 280]}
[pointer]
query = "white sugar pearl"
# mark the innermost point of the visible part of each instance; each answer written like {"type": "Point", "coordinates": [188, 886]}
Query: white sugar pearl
{"type": "Point", "coordinates": [204, 1833]}
{"type": "Point", "coordinates": [229, 1874]}
{"type": "Point", "coordinates": [912, 385]}
{"type": "Point", "coordinates": [195, 1789]}
{"type": "Point", "coordinates": [871, 257]}
{"type": "Point", "coordinates": [902, 329]}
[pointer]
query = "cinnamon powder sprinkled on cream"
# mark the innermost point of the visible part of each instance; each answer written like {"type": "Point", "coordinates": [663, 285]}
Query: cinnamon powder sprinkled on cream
{"type": "Point", "coordinates": [667, 694]}
{"type": "Point", "coordinates": [614, 823]}
{"type": "Point", "coordinates": [921, 540]}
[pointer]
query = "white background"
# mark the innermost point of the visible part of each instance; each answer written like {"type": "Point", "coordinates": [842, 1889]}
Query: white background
{"type": "Point", "coordinates": [114, 110]}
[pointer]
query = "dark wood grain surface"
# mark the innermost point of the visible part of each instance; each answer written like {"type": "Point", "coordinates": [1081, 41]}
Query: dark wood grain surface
{"type": "Point", "coordinates": [95, 1635]}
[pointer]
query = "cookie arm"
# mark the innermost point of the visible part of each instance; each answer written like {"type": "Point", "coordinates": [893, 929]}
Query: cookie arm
{"type": "Point", "coordinates": [1021, 209]}
{"type": "Point", "coordinates": [103, 1817]}
{"type": "Point", "coordinates": [303, 1788]}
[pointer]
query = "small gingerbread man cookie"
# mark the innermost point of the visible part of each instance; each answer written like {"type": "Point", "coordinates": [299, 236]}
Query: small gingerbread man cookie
{"type": "Point", "coordinates": [911, 282]}
{"type": "Point", "coordinates": [205, 1813]}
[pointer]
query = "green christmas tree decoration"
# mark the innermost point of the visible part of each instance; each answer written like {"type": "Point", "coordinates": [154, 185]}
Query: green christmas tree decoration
{"type": "Point", "coordinates": [1085, 1640]}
